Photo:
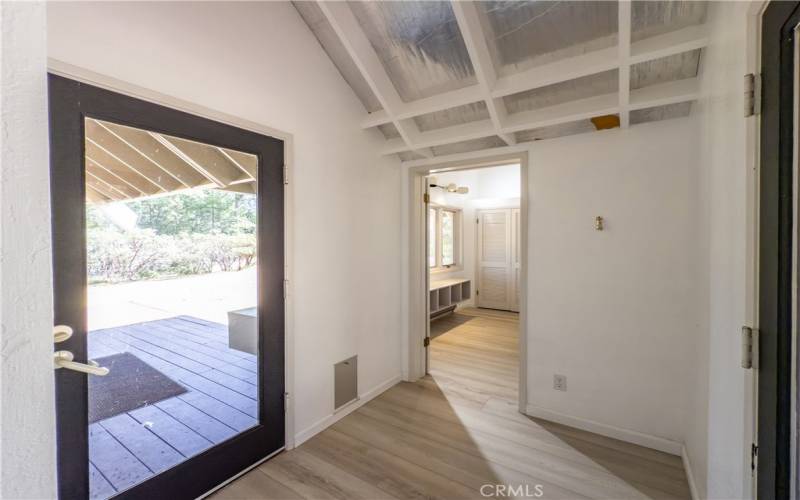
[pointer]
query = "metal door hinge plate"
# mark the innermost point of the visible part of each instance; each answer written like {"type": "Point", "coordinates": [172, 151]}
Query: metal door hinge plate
{"type": "Point", "coordinates": [426, 342]}
{"type": "Point", "coordinates": [752, 94]}
{"type": "Point", "coordinates": [749, 347]}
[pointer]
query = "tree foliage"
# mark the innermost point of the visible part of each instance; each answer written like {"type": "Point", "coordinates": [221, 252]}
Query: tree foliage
{"type": "Point", "coordinates": [181, 234]}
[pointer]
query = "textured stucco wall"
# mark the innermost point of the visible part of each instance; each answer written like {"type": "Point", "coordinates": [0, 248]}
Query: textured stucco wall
{"type": "Point", "coordinates": [27, 427]}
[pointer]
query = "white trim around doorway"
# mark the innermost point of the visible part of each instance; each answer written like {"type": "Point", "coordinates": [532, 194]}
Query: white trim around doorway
{"type": "Point", "coordinates": [415, 322]}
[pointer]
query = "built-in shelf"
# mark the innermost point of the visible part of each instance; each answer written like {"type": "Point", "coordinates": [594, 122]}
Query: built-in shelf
{"type": "Point", "coordinates": [446, 294]}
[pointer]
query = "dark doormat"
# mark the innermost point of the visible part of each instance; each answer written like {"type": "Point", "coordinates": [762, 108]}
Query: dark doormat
{"type": "Point", "coordinates": [130, 384]}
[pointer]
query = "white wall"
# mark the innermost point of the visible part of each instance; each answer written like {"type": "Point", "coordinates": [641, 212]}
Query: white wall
{"type": "Point", "coordinates": [617, 311]}
{"type": "Point", "coordinates": [259, 61]}
{"type": "Point", "coordinates": [718, 435]}
{"type": "Point", "coordinates": [27, 425]}
{"type": "Point", "coordinates": [493, 187]}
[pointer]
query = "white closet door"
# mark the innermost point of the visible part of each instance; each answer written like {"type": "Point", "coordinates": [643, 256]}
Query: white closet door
{"type": "Point", "coordinates": [494, 259]}
{"type": "Point", "coordinates": [515, 258]}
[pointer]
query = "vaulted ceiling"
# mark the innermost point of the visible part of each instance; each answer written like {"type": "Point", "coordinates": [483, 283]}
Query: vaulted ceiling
{"type": "Point", "coordinates": [441, 78]}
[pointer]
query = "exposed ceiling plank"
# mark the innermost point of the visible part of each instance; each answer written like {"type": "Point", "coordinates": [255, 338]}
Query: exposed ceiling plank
{"type": "Point", "coordinates": [245, 162]}
{"type": "Point", "coordinates": [624, 48]}
{"type": "Point", "coordinates": [95, 196]}
{"type": "Point", "coordinates": [110, 180]}
{"type": "Point", "coordinates": [103, 188]}
{"type": "Point", "coordinates": [469, 23]}
{"type": "Point", "coordinates": [208, 161]}
{"type": "Point", "coordinates": [117, 148]}
{"type": "Point", "coordinates": [152, 151]}
{"type": "Point", "coordinates": [109, 162]}
{"type": "Point", "coordinates": [245, 187]}
{"type": "Point", "coordinates": [355, 41]}
{"type": "Point", "coordinates": [114, 178]}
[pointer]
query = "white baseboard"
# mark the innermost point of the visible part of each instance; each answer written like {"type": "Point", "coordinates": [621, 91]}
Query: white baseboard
{"type": "Point", "coordinates": [687, 467]}
{"type": "Point", "coordinates": [334, 417]}
{"type": "Point", "coordinates": [633, 437]}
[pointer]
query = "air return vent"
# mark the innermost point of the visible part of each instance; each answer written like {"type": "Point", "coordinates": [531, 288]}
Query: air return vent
{"type": "Point", "coordinates": [345, 382]}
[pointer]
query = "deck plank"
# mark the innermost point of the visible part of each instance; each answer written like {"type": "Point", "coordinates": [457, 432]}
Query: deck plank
{"type": "Point", "coordinates": [98, 485]}
{"type": "Point", "coordinates": [204, 424]}
{"type": "Point", "coordinates": [222, 412]}
{"type": "Point", "coordinates": [153, 451]}
{"type": "Point", "coordinates": [118, 464]}
{"type": "Point", "coordinates": [222, 400]}
{"type": "Point", "coordinates": [184, 439]}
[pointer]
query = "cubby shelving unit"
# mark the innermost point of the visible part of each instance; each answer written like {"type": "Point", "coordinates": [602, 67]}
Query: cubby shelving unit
{"type": "Point", "coordinates": [446, 294]}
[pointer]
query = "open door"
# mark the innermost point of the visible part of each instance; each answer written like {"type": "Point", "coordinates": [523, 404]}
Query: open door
{"type": "Point", "coordinates": [430, 248]}
{"type": "Point", "coordinates": [776, 468]}
{"type": "Point", "coordinates": [168, 262]}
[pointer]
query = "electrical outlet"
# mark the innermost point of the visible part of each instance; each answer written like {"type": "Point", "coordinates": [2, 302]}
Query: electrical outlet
{"type": "Point", "coordinates": [560, 382]}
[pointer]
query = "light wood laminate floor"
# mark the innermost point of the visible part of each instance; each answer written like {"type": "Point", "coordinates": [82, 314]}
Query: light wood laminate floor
{"type": "Point", "coordinates": [457, 430]}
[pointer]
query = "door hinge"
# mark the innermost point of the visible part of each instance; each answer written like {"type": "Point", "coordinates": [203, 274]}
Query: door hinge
{"type": "Point", "coordinates": [285, 175]}
{"type": "Point", "coordinates": [752, 94]}
{"type": "Point", "coordinates": [477, 292]}
{"type": "Point", "coordinates": [285, 288]}
{"type": "Point", "coordinates": [749, 347]}
{"type": "Point", "coordinates": [477, 221]}
{"type": "Point", "coordinates": [426, 342]}
{"type": "Point", "coordinates": [285, 402]}
{"type": "Point", "coordinates": [753, 456]}
{"type": "Point", "coordinates": [426, 198]}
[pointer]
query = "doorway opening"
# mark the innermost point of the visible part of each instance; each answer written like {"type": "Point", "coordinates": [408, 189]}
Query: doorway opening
{"type": "Point", "coordinates": [474, 243]}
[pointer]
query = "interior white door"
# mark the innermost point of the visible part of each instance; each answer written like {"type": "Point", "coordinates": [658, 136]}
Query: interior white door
{"type": "Point", "coordinates": [515, 258]}
{"type": "Point", "coordinates": [494, 259]}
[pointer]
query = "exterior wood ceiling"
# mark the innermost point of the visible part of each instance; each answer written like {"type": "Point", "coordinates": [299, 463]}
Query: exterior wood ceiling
{"type": "Point", "coordinates": [125, 163]}
{"type": "Point", "coordinates": [440, 78]}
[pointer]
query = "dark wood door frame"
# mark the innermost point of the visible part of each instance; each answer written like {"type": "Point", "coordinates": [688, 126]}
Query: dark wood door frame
{"type": "Point", "coordinates": [775, 249]}
{"type": "Point", "coordinates": [69, 103]}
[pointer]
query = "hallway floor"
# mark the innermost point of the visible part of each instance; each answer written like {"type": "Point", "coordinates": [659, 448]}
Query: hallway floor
{"type": "Point", "coordinates": [457, 434]}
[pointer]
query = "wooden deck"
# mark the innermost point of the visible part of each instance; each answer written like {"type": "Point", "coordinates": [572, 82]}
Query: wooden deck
{"type": "Point", "coordinates": [221, 400]}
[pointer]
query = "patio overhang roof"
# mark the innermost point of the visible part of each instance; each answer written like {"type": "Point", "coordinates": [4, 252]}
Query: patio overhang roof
{"type": "Point", "coordinates": [125, 163]}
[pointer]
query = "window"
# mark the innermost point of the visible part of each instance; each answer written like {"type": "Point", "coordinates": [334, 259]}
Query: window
{"type": "Point", "coordinates": [444, 238]}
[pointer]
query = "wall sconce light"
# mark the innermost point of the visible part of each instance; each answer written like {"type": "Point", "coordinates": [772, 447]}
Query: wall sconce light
{"type": "Point", "coordinates": [598, 223]}
{"type": "Point", "coordinates": [450, 188]}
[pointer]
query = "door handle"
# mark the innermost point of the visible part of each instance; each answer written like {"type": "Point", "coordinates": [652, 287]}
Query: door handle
{"type": "Point", "coordinates": [64, 359]}
{"type": "Point", "coordinates": [61, 333]}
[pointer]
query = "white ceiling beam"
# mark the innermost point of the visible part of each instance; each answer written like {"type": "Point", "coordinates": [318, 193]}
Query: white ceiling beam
{"type": "Point", "coordinates": [438, 102]}
{"type": "Point", "coordinates": [674, 42]}
{"type": "Point", "coordinates": [683, 40]}
{"type": "Point", "coordinates": [473, 158]}
{"type": "Point", "coordinates": [624, 52]}
{"type": "Point", "coordinates": [665, 93]}
{"type": "Point", "coordinates": [355, 41]}
{"type": "Point", "coordinates": [468, 20]}
{"type": "Point", "coordinates": [584, 109]}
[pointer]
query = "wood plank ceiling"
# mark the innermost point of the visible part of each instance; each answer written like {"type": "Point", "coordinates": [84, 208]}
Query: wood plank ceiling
{"type": "Point", "coordinates": [442, 78]}
{"type": "Point", "coordinates": [125, 163]}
